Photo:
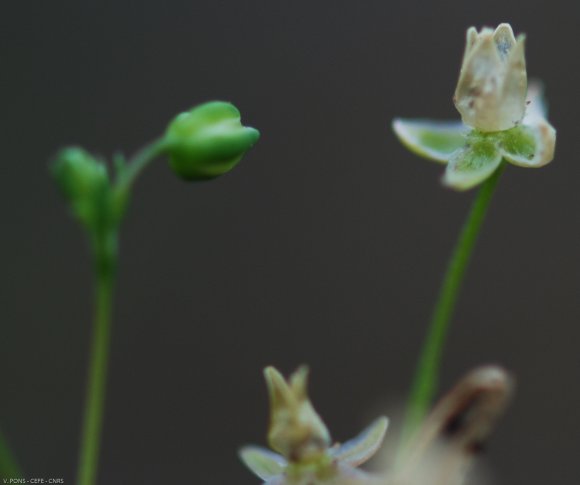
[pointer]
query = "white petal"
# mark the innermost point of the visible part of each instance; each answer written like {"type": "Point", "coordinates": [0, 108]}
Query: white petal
{"type": "Point", "coordinates": [435, 140]}
{"type": "Point", "coordinates": [348, 475]}
{"type": "Point", "coordinates": [264, 463]}
{"type": "Point", "coordinates": [539, 128]}
{"type": "Point", "coordinates": [536, 106]}
{"type": "Point", "coordinates": [277, 480]}
{"type": "Point", "coordinates": [362, 447]}
{"type": "Point", "coordinates": [476, 94]}
{"type": "Point", "coordinates": [512, 105]}
{"type": "Point", "coordinates": [470, 38]}
{"type": "Point", "coordinates": [491, 89]}
{"type": "Point", "coordinates": [504, 39]}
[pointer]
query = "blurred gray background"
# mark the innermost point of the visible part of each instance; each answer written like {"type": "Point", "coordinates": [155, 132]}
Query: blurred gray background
{"type": "Point", "coordinates": [325, 246]}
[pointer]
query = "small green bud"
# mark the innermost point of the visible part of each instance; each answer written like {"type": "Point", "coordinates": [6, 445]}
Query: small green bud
{"type": "Point", "coordinates": [77, 173]}
{"type": "Point", "coordinates": [208, 141]}
{"type": "Point", "coordinates": [82, 180]}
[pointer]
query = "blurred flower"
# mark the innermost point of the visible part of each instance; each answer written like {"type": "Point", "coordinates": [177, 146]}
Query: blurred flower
{"type": "Point", "coordinates": [443, 450]}
{"type": "Point", "coordinates": [84, 182]}
{"type": "Point", "coordinates": [440, 453]}
{"type": "Point", "coordinates": [498, 123]}
{"type": "Point", "coordinates": [303, 442]}
{"type": "Point", "coordinates": [208, 141]}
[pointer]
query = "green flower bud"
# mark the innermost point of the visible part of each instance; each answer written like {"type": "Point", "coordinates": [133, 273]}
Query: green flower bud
{"type": "Point", "coordinates": [83, 181]}
{"type": "Point", "coordinates": [208, 141]}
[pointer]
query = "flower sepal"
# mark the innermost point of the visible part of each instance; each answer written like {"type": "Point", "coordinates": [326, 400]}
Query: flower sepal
{"type": "Point", "coordinates": [431, 139]}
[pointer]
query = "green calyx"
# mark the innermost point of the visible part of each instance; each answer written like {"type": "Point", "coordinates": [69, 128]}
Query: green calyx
{"type": "Point", "coordinates": [84, 182]}
{"type": "Point", "coordinates": [207, 141]}
{"type": "Point", "coordinates": [518, 143]}
{"type": "Point", "coordinates": [474, 162]}
{"type": "Point", "coordinates": [471, 155]}
{"type": "Point", "coordinates": [483, 152]}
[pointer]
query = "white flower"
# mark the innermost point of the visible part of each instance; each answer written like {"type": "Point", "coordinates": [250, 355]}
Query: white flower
{"type": "Point", "coordinates": [502, 118]}
{"type": "Point", "coordinates": [440, 452]}
{"type": "Point", "coordinates": [491, 91]}
{"type": "Point", "coordinates": [305, 453]}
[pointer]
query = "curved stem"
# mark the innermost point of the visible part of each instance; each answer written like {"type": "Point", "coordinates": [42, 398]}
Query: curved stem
{"type": "Point", "coordinates": [9, 467]}
{"type": "Point", "coordinates": [105, 263]}
{"type": "Point", "coordinates": [427, 372]}
{"type": "Point", "coordinates": [139, 162]}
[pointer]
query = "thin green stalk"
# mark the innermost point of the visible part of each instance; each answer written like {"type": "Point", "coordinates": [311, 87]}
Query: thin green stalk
{"type": "Point", "coordinates": [427, 373]}
{"type": "Point", "coordinates": [139, 162]}
{"type": "Point", "coordinates": [9, 467]}
{"type": "Point", "coordinates": [104, 244]}
{"type": "Point", "coordinates": [105, 263]}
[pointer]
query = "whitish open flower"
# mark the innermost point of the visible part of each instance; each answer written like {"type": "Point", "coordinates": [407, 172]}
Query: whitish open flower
{"type": "Point", "coordinates": [502, 118]}
{"type": "Point", "coordinates": [305, 453]}
{"type": "Point", "coordinates": [441, 452]}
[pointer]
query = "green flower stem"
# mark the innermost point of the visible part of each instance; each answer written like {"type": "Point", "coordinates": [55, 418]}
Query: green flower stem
{"type": "Point", "coordinates": [9, 467]}
{"type": "Point", "coordinates": [105, 256]}
{"type": "Point", "coordinates": [427, 374]}
{"type": "Point", "coordinates": [139, 162]}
